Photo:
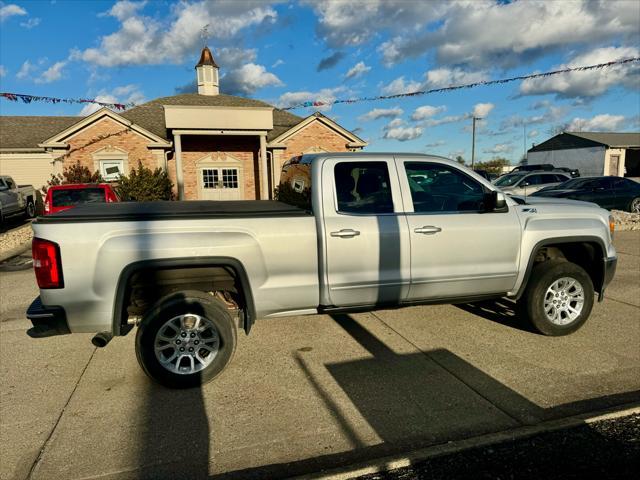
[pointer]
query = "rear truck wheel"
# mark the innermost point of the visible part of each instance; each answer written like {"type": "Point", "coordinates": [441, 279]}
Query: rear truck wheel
{"type": "Point", "coordinates": [558, 298]}
{"type": "Point", "coordinates": [30, 209]}
{"type": "Point", "coordinates": [186, 340]}
{"type": "Point", "coordinates": [634, 206]}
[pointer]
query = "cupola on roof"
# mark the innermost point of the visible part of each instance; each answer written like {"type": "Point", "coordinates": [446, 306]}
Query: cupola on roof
{"type": "Point", "coordinates": [206, 58]}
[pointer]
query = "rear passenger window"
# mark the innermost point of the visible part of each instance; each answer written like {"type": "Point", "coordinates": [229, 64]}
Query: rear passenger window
{"type": "Point", "coordinates": [363, 187]}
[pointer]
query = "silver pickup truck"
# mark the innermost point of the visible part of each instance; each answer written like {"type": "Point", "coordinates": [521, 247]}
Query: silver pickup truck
{"type": "Point", "coordinates": [16, 199]}
{"type": "Point", "coordinates": [351, 231]}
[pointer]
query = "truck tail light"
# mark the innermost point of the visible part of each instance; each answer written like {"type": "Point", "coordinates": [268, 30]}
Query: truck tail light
{"type": "Point", "coordinates": [46, 263]}
{"type": "Point", "coordinates": [47, 207]}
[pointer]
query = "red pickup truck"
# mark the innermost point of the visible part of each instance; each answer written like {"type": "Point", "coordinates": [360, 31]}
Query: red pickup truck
{"type": "Point", "coordinates": [64, 197]}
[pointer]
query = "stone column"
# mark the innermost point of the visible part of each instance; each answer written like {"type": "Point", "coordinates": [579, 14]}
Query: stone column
{"type": "Point", "coordinates": [177, 141]}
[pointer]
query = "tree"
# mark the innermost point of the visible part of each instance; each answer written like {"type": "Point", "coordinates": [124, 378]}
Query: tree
{"type": "Point", "coordinates": [460, 160]}
{"type": "Point", "coordinates": [144, 185]}
{"type": "Point", "coordinates": [74, 173]}
{"type": "Point", "coordinates": [493, 166]}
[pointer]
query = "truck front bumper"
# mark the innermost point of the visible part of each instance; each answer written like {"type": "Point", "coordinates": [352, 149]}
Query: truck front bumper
{"type": "Point", "coordinates": [47, 321]}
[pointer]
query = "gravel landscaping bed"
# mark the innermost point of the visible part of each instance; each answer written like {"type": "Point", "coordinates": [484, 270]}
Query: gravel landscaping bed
{"type": "Point", "coordinates": [15, 238]}
{"type": "Point", "coordinates": [626, 220]}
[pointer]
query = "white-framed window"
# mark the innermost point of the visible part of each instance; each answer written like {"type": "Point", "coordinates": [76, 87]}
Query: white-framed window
{"type": "Point", "coordinates": [111, 169]}
{"type": "Point", "coordinates": [209, 178]}
{"type": "Point", "coordinates": [220, 178]}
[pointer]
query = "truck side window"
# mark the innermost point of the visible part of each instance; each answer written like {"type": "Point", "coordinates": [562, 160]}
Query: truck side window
{"type": "Point", "coordinates": [363, 187]}
{"type": "Point", "coordinates": [440, 188]}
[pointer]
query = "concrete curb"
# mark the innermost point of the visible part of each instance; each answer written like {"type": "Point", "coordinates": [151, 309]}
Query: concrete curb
{"type": "Point", "coordinates": [15, 251]}
{"type": "Point", "coordinates": [393, 462]}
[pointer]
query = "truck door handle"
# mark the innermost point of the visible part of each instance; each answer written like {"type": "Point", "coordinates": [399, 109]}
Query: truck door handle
{"type": "Point", "coordinates": [345, 233]}
{"type": "Point", "coordinates": [428, 230]}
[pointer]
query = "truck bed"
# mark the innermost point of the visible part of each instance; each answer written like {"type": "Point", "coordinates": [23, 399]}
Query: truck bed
{"type": "Point", "coordinates": [130, 211]}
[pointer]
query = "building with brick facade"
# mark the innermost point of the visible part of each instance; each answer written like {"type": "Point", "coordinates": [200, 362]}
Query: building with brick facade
{"type": "Point", "coordinates": [213, 146]}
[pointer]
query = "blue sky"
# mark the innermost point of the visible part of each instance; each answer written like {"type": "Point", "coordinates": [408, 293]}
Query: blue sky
{"type": "Point", "coordinates": [288, 52]}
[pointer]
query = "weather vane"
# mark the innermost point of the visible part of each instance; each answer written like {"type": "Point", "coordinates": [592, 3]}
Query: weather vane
{"type": "Point", "coordinates": [204, 34]}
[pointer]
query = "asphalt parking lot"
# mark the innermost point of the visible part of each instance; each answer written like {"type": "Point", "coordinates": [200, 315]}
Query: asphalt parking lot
{"type": "Point", "coordinates": [307, 393]}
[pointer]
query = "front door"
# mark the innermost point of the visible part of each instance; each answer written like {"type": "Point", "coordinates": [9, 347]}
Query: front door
{"type": "Point", "coordinates": [220, 183]}
{"type": "Point", "coordinates": [456, 250]}
{"type": "Point", "coordinates": [365, 233]}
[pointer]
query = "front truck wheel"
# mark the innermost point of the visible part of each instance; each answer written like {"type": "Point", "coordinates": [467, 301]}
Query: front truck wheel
{"type": "Point", "coordinates": [558, 298]}
{"type": "Point", "coordinates": [186, 340]}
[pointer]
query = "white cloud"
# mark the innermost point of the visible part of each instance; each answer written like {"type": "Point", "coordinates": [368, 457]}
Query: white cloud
{"type": "Point", "coordinates": [599, 123]}
{"type": "Point", "coordinates": [445, 77]}
{"type": "Point", "coordinates": [345, 23]}
{"type": "Point", "coordinates": [506, 34]}
{"type": "Point", "coordinates": [3, 71]}
{"type": "Point", "coordinates": [145, 40]}
{"type": "Point", "coordinates": [402, 134]}
{"type": "Point", "coordinates": [25, 70]}
{"type": "Point", "coordinates": [51, 74]}
{"type": "Point", "coordinates": [395, 123]}
{"type": "Point", "coordinates": [427, 111]}
{"type": "Point", "coordinates": [434, 122]}
{"type": "Point", "coordinates": [482, 110]}
{"type": "Point", "coordinates": [30, 23]}
{"type": "Point", "coordinates": [381, 113]}
{"type": "Point", "coordinates": [124, 94]}
{"type": "Point", "coordinates": [277, 63]}
{"type": "Point", "coordinates": [247, 79]}
{"type": "Point", "coordinates": [499, 148]}
{"type": "Point", "coordinates": [357, 70]}
{"type": "Point", "coordinates": [10, 10]}
{"type": "Point", "coordinates": [327, 95]}
{"type": "Point", "coordinates": [589, 83]}
{"type": "Point", "coordinates": [437, 143]}
{"type": "Point", "coordinates": [533, 133]}
{"type": "Point", "coordinates": [399, 86]}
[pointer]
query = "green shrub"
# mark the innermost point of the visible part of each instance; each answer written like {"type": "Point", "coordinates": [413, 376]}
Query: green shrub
{"type": "Point", "coordinates": [144, 185]}
{"type": "Point", "coordinates": [74, 173]}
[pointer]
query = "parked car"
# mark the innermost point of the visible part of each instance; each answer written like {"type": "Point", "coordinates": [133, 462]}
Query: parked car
{"type": "Point", "coordinates": [64, 197]}
{"type": "Point", "coordinates": [547, 167]}
{"type": "Point", "coordinates": [16, 199]}
{"type": "Point", "coordinates": [488, 175]}
{"type": "Point", "coordinates": [525, 183]}
{"type": "Point", "coordinates": [354, 231]}
{"type": "Point", "coordinates": [608, 192]}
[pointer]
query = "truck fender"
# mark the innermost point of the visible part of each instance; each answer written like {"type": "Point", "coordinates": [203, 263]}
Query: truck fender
{"type": "Point", "coordinates": [119, 320]}
{"type": "Point", "coordinates": [555, 241]}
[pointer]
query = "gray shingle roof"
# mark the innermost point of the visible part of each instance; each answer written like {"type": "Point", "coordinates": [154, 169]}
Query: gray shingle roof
{"type": "Point", "coordinates": [614, 140]}
{"type": "Point", "coordinates": [150, 115]}
{"type": "Point", "coordinates": [28, 132]}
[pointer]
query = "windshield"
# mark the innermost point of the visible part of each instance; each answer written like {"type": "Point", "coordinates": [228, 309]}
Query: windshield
{"type": "Point", "coordinates": [509, 179]}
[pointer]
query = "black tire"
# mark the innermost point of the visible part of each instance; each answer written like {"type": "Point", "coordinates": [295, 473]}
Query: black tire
{"type": "Point", "coordinates": [176, 304]}
{"type": "Point", "coordinates": [633, 205]}
{"type": "Point", "coordinates": [30, 209]}
{"type": "Point", "coordinates": [542, 277]}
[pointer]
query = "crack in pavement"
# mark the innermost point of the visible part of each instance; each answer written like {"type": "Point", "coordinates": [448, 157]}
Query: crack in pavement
{"type": "Point", "coordinates": [55, 426]}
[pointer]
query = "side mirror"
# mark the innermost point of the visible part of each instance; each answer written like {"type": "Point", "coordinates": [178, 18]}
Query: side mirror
{"type": "Point", "coordinates": [495, 202]}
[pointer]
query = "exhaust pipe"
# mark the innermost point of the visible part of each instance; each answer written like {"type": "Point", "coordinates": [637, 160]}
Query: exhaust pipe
{"type": "Point", "coordinates": [101, 339]}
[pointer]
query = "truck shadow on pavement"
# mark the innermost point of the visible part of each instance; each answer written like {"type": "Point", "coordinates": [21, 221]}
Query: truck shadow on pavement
{"type": "Point", "coordinates": [502, 311]}
{"type": "Point", "coordinates": [410, 401]}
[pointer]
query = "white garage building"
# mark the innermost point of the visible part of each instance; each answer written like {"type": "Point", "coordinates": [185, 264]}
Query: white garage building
{"type": "Point", "coordinates": [593, 153]}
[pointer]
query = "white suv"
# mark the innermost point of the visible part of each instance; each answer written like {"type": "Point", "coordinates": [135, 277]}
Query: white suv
{"type": "Point", "coordinates": [525, 183]}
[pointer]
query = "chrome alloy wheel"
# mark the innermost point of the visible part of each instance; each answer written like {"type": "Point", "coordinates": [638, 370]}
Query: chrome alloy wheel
{"type": "Point", "coordinates": [563, 301]}
{"type": "Point", "coordinates": [187, 344]}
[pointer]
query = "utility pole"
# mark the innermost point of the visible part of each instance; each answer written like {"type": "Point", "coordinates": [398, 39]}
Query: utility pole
{"type": "Point", "coordinates": [473, 142]}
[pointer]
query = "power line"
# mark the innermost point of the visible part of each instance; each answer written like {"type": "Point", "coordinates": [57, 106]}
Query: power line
{"type": "Point", "coordinates": [598, 66]}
